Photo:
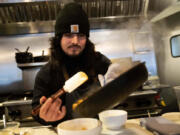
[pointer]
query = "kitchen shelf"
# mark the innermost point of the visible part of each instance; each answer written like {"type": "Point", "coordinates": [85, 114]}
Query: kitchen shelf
{"type": "Point", "coordinates": [155, 87]}
{"type": "Point", "coordinates": [31, 65]}
{"type": "Point", "coordinates": [15, 102]}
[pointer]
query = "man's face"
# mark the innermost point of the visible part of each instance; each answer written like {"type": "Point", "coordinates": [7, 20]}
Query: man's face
{"type": "Point", "coordinates": [73, 44]}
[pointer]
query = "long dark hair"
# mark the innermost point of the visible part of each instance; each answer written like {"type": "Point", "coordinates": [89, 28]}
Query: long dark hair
{"type": "Point", "coordinates": [56, 54]}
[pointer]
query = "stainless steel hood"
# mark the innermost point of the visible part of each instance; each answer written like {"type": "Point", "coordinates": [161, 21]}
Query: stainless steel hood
{"type": "Point", "coordinates": [36, 16]}
{"type": "Point", "coordinates": [169, 11]}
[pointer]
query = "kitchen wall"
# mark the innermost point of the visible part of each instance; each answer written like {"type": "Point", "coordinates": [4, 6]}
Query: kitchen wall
{"type": "Point", "coordinates": [168, 66]}
{"type": "Point", "coordinates": [114, 43]}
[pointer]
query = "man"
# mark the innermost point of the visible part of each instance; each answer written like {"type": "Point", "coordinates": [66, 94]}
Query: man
{"type": "Point", "coordinates": [71, 52]}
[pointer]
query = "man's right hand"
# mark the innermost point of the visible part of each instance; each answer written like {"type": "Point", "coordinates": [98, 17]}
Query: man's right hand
{"type": "Point", "coordinates": [50, 110]}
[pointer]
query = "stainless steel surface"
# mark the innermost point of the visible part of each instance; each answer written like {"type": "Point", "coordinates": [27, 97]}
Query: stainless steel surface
{"type": "Point", "coordinates": [177, 93]}
{"type": "Point", "coordinates": [16, 102]}
{"type": "Point", "coordinates": [167, 26]}
{"type": "Point", "coordinates": [11, 77]}
{"type": "Point", "coordinates": [168, 67]}
{"type": "Point", "coordinates": [22, 17]}
{"type": "Point", "coordinates": [29, 65]}
{"type": "Point", "coordinates": [26, 28]}
{"type": "Point", "coordinates": [156, 6]}
{"type": "Point", "coordinates": [141, 104]}
{"type": "Point", "coordinates": [21, 1]}
{"type": "Point", "coordinates": [145, 114]}
{"type": "Point", "coordinates": [19, 110]}
{"type": "Point", "coordinates": [37, 16]}
{"type": "Point", "coordinates": [143, 93]}
{"type": "Point", "coordinates": [117, 45]}
{"type": "Point", "coordinates": [4, 120]}
{"type": "Point", "coordinates": [48, 26]}
{"type": "Point", "coordinates": [169, 11]}
{"type": "Point", "coordinates": [47, 10]}
{"type": "Point", "coordinates": [29, 71]}
{"type": "Point", "coordinates": [29, 12]}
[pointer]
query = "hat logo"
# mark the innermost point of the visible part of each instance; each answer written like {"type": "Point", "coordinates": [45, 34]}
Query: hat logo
{"type": "Point", "coordinates": [75, 28]}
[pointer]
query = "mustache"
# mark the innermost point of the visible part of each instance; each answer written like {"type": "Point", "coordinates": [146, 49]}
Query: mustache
{"type": "Point", "coordinates": [74, 45]}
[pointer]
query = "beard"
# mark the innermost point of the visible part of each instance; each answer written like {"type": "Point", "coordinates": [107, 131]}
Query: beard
{"type": "Point", "coordinates": [75, 52]}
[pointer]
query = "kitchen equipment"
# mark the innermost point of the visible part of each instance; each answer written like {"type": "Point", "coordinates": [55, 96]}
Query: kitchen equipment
{"type": "Point", "coordinates": [113, 93]}
{"type": "Point", "coordinates": [16, 109]}
{"type": "Point", "coordinates": [81, 126]}
{"type": "Point", "coordinates": [41, 58]}
{"type": "Point", "coordinates": [23, 57]}
{"type": "Point", "coordinates": [70, 85]}
{"type": "Point", "coordinates": [141, 103]}
{"type": "Point", "coordinates": [29, 72]}
{"type": "Point", "coordinates": [113, 119]}
{"type": "Point", "coordinates": [177, 92]}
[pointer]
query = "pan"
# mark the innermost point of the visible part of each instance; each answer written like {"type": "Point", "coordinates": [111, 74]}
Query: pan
{"type": "Point", "coordinates": [113, 93]}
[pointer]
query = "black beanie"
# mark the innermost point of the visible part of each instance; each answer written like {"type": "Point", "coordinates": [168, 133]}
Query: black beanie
{"type": "Point", "coordinates": [72, 19]}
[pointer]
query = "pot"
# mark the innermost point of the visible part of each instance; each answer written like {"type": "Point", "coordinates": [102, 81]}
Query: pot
{"type": "Point", "coordinates": [23, 57]}
{"type": "Point", "coordinates": [42, 58]}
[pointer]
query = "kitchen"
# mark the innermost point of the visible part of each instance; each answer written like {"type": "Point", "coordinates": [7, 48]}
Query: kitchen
{"type": "Point", "coordinates": [134, 36]}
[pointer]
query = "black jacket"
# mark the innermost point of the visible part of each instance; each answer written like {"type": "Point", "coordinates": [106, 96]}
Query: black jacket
{"type": "Point", "coordinates": [48, 82]}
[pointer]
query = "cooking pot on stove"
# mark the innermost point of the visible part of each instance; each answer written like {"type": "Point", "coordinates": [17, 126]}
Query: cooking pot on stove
{"type": "Point", "coordinates": [23, 57]}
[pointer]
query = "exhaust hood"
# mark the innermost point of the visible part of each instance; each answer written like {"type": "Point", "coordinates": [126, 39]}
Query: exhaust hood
{"type": "Point", "coordinates": [37, 16]}
{"type": "Point", "coordinates": [171, 10]}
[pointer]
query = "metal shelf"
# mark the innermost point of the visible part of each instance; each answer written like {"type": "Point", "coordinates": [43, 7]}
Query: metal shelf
{"type": "Point", "coordinates": [15, 102]}
{"type": "Point", "coordinates": [31, 65]}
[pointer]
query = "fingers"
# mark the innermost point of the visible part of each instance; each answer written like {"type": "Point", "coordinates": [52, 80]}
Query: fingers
{"type": "Point", "coordinates": [61, 113]}
{"type": "Point", "coordinates": [50, 110]}
{"type": "Point", "coordinates": [55, 106]}
{"type": "Point", "coordinates": [42, 99]}
{"type": "Point", "coordinates": [45, 107]}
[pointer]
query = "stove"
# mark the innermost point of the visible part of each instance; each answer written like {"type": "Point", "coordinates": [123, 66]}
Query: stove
{"type": "Point", "coordinates": [16, 107]}
{"type": "Point", "coordinates": [142, 103]}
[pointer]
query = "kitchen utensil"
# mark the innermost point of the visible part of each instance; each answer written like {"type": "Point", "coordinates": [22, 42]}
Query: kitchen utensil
{"type": "Point", "coordinates": [27, 49]}
{"type": "Point", "coordinates": [81, 126]}
{"type": "Point", "coordinates": [113, 119]}
{"type": "Point", "coordinates": [112, 93]}
{"type": "Point", "coordinates": [23, 57]}
{"type": "Point", "coordinates": [17, 50]}
{"type": "Point", "coordinates": [70, 85]}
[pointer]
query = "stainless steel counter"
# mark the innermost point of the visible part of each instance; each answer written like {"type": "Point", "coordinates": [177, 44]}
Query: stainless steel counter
{"type": "Point", "coordinates": [15, 102]}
